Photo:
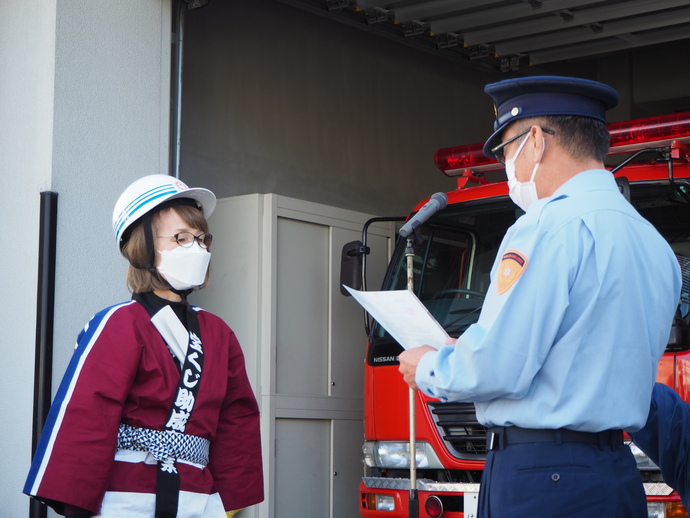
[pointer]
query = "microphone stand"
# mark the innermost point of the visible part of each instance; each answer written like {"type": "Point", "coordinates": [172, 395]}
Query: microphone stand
{"type": "Point", "coordinates": [413, 503]}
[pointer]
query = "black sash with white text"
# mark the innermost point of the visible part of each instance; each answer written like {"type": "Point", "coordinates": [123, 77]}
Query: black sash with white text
{"type": "Point", "coordinates": [168, 478]}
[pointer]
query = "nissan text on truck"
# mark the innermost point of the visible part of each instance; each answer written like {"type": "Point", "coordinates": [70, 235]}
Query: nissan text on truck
{"type": "Point", "coordinates": [453, 256]}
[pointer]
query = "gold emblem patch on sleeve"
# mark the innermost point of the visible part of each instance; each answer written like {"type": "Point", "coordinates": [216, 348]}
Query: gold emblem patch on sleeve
{"type": "Point", "coordinates": [512, 265]}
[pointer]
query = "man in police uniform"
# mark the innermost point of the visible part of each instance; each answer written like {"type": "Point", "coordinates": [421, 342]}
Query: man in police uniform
{"type": "Point", "coordinates": [565, 351]}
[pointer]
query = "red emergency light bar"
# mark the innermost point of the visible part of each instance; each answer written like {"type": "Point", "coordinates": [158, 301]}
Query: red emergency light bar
{"type": "Point", "coordinates": [625, 137]}
{"type": "Point", "coordinates": [455, 161]}
{"type": "Point", "coordinates": [653, 131]}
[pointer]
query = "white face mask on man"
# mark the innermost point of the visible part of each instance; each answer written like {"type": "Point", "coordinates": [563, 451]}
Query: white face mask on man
{"type": "Point", "coordinates": [523, 194]}
{"type": "Point", "coordinates": [184, 268]}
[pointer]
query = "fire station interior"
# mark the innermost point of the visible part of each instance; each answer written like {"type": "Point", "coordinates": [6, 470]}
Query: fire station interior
{"type": "Point", "coordinates": [307, 117]}
{"type": "Point", "coordinates": [316, 100]}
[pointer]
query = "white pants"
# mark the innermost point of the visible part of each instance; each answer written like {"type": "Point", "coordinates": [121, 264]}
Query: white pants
{"type": "Point", "coordinates": [143, 505]}
{"type": "Point", "coordinates": [117, 504]}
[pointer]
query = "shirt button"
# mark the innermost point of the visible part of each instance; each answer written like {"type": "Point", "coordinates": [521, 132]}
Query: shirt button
{"type": "Point", "coordinates": [555, 477]}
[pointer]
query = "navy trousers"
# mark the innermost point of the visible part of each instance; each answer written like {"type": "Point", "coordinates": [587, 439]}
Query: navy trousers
{"type": "Point", "coordinates": [569, 480]}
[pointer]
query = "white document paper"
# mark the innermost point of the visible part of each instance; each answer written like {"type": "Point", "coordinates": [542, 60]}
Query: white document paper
{"type": "Point", "coordinates": [404, 316]}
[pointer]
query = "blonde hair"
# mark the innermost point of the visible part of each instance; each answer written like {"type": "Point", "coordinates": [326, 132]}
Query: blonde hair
{"type": "Point", "coordinates": [140, 280]}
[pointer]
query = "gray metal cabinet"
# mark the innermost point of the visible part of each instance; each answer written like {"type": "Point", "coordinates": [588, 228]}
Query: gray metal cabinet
{"type": "Point", "coordinates": [275, 281]}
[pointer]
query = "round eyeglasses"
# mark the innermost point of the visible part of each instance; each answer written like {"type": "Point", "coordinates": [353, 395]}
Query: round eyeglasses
{"type": "Point", "coordinates": [186, 239]}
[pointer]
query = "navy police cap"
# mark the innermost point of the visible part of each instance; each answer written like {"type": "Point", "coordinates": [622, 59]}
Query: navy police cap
{"type": "Point", "coordinates": [537, 96]}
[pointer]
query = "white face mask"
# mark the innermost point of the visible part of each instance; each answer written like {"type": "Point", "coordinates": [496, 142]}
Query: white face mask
{"type": "Point", "coordinates": [184, 268]}
{"type": "Point", "coordinates": [523, 194]}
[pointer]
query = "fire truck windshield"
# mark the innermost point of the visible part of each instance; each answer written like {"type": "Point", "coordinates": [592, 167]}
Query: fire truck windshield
{"type": "Point", "coordinates": [452, 263]}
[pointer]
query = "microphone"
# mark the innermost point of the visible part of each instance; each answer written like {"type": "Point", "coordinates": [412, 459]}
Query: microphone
{"type": "Point", "coordinates": [437, 202]}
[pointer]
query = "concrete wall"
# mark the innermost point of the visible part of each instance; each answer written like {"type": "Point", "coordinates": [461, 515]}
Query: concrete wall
{"type": "Point", "coordinates": [111, 127]}
{"type": "Point", "coordinates": [84, 105]}
{"type": "Point", "coordinates": [27, 37]}
{"type": "Point", "coordinates": [280, 100]}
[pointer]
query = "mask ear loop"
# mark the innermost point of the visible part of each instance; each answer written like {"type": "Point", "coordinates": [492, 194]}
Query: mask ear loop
{"type": "Point", "coordinates": [536, 166]}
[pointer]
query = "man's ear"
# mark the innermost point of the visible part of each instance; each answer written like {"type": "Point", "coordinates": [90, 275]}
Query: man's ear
{"type": "Point", "coordinates": [536, 135]}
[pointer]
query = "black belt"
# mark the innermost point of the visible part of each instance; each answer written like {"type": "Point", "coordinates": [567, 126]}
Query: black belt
{"type": "Point", "coordinates": [501, 437]}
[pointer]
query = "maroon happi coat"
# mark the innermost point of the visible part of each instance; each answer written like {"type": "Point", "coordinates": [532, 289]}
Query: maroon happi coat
{"type": "Point", "coordinates": [123, 372]}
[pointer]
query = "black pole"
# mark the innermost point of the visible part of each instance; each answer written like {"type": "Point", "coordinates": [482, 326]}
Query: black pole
{"type": "Point", "coordinates": [413, 504]}
{"type": "Point", "coordinates": [178, 12]}
{"type": "Point", "coordinates": [45, 297]}
{"type": "Point", "coordinates": [413, 501]}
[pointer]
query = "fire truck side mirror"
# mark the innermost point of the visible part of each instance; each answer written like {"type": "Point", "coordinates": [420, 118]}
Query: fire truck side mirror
{"type": "Point", "coordinates": [351, 266]}
{"type": "Point", "coordinates": [679, 341]}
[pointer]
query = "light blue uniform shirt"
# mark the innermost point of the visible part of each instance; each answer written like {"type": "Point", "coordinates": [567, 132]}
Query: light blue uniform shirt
{"type": "Point", "coordinates": [574, 340]}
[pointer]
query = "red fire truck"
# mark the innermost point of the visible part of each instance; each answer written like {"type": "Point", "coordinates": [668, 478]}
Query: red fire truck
{"type": "Point", "coordinates": [455, 250]}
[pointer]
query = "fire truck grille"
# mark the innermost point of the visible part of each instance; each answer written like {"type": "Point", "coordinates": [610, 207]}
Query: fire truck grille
{"type": "Point", "coordinates": [457, 425]}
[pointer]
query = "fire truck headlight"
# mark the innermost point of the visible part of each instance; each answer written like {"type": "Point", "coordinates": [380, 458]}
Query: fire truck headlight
{"type": "Point", "coordinates": [396, 455]}
{"type": "Point", "coordinates": [666, 510]}
{"type": "Point", "coordinates": [644, 463]}
{"type": "Point", "coordinates": [656, 510]}
{"type": "Point", "coordinates": [380, 502]}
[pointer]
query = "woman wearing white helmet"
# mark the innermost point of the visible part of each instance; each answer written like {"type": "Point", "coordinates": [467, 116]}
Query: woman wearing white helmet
{"type": "Point", "coordinates": [155, 416]}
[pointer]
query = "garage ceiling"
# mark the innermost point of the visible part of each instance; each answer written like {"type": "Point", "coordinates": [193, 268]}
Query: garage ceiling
{"type": "Point", "coordinates": [508, 35]}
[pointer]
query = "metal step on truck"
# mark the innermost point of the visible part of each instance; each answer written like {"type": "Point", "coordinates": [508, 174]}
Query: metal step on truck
{"type": "Point", "coordinates": [455, 250]}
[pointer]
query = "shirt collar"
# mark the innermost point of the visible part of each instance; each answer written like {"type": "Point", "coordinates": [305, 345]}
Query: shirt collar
{"type": "Point", "coordinates": [590, 180]}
